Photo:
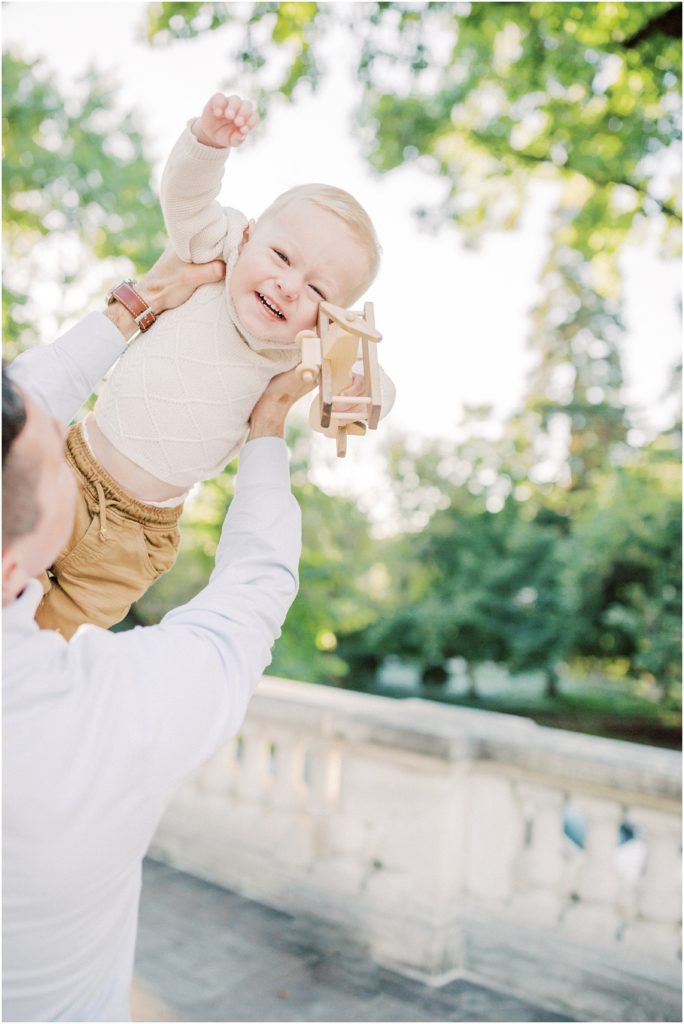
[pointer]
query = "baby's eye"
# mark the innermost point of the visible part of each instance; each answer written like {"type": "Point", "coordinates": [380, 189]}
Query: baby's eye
{"type": "Point", "coordinates": [282, 255]}
{"type": "Point", "coordinates": [318, 291]}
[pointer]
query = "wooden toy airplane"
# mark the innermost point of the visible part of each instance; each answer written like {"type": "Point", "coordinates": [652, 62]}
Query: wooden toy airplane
{"type": "Point", "coordinates": [328, 355]}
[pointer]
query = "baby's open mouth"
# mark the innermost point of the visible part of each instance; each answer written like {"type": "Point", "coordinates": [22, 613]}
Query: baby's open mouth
{"type": "Point", "coordinates": [270, 307]}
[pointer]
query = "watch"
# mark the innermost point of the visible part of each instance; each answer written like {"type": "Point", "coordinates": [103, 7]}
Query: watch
{"type": "Point", "coordinates": [129, 298]}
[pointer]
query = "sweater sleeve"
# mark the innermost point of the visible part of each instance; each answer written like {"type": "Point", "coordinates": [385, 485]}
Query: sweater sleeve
{"type": "Point", "coordinates": [197, 224]}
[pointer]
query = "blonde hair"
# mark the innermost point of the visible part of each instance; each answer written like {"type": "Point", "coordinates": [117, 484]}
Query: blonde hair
{"type": "Point", "coordinates": [348, 209]}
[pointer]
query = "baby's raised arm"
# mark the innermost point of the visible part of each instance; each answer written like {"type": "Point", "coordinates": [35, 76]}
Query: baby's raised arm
{"type": "Point", "coordinates": [196, 222]}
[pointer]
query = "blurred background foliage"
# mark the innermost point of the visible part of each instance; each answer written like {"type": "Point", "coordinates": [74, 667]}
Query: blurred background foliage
{"type": "Point", "coordinates": [73, 167]}
{"type": "Point", "coordinates": [553, 551]}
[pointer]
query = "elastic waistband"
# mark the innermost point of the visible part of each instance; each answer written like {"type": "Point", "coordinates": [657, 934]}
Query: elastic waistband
{"type": "Point", "coordinates": [80, 456]}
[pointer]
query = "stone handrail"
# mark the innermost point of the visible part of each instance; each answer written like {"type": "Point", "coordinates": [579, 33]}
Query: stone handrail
{"type": "Point", "coordinates": [436, 834]}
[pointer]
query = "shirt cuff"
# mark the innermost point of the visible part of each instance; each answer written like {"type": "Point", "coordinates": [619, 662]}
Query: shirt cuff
{"type": "Point", "coordinates": [110, 332]}
{"type": "Point", "coordinates": [264, 461]}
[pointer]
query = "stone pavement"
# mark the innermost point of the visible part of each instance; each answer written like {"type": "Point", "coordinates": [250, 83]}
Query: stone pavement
{"type": "Point", "coordinates": [206, 954]}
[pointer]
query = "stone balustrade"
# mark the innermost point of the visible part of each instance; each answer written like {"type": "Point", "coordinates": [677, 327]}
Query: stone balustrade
{"type": "Point", "coordinates": [436, 834]}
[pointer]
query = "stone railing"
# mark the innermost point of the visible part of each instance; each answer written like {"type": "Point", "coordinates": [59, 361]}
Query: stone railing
{"type": "Point", "coordinates": [438, 836]}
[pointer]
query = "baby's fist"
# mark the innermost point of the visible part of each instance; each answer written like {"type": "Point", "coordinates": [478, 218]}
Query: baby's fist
{"type": "Point", "coordinates": [225, 121]}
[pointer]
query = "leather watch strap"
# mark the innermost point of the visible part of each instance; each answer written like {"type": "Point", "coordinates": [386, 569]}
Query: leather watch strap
{"type": "Point", "coordinates": [126, 294]}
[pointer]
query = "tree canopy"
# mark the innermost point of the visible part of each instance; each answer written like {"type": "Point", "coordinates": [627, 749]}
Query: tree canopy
{"type": "Point", "coordinates": [492, 98]}
{"type": "Point", "coordinates": [73, 168]}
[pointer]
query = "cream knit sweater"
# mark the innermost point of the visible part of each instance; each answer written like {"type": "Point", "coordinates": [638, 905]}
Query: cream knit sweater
{"type": "Point", "coordinates": [179, 399]}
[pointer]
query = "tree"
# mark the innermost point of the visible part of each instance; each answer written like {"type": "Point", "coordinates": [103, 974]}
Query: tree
{"type": "Point", "coordinates": [551, 72]}
{"type": "Point", "coordinates": [625, 571]}
{"type": "Point", "coordinates": [76, 191]}
{"type": "Point", "coordinates": [494, 98]}
{"type": "Point", "coordinates": [482, 579]}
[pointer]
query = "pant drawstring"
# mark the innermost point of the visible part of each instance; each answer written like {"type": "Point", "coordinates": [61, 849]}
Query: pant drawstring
{"type": "Point", "coordinates": [102, 510]}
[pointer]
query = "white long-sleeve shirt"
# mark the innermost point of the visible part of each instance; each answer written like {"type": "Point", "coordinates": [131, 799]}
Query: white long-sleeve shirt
{"type": "Point", "coordinates": [99, 731]}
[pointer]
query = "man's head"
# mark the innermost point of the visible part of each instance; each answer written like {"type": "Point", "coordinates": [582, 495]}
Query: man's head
{"type": "Point", "coordinates": [314, 242]}
{"type": "Point", "coordinates": [38, 490]}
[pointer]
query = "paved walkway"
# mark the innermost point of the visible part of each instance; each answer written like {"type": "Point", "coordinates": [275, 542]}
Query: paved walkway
{"type": "Point", "coordinates": [206, 954]}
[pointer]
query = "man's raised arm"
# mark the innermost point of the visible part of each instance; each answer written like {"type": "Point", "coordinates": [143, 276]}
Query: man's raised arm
{"type": "Point", "coordinates": [182, 687]}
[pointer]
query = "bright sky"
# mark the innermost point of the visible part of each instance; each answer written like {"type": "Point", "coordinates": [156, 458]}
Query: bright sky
{"type": "Point", "coordinates": [454, 322]}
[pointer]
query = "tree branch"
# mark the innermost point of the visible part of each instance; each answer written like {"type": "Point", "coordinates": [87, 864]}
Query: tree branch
{"type": "Point", "coordinates": [669, 24]}
{"type": "Point", "coordinates": [665, 208]}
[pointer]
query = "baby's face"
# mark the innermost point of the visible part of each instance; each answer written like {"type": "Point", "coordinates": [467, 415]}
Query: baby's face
{"type": "Point", "coordinates": [292, 260]}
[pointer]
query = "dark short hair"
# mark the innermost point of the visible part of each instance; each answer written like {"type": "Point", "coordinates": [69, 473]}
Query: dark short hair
{"type": "Point", "coordinates": [20, 507]}
{"type": "Point", "coordinates": [13, 414]}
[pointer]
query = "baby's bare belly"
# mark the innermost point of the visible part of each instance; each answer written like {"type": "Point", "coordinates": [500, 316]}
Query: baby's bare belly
{"type": "Point", "coordinates": [133, 478]}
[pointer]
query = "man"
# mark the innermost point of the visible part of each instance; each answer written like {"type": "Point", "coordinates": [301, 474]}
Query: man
{"type": "Point", "coordinates": [99, 731]}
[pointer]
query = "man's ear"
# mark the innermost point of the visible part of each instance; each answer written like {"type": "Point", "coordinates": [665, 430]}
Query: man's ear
{"type": "Point", "coordinates": [246, 234]}
{"type": "Point", "coordinates": [14, 577]}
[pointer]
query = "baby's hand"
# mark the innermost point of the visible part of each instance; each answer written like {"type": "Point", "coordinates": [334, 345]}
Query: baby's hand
{"type": "Point", "coordinates": [225, 121]}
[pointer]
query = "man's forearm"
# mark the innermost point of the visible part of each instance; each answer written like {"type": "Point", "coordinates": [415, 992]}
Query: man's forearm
{"type": "Point", "coordinates": [62, 376]}
{"type": "Point", "coordinates": [122, 319]}
{"type": "Point", "coordinates": [268, 420]}
{"type": "Point", "coordinates": [271, 411]}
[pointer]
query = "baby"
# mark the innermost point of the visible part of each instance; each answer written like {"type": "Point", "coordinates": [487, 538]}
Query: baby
{"type": "Point", "coordinates": [176, 407]}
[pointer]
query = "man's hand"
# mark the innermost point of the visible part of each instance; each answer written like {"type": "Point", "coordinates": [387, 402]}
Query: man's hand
{"type": "Point", "coordinates": [167, 284]}
{"type": "Point", "coordinates": [355, 388]}
{"type": "Point", "coordinates": [171, 281]}
{"type": "Point", "coordinates": [225, 121]}
{"type": "Point", "coordinates": [269, 414]}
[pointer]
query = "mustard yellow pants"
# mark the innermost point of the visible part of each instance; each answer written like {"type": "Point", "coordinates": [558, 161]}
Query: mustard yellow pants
{"type": "Point", "coordinates": [118, 547]}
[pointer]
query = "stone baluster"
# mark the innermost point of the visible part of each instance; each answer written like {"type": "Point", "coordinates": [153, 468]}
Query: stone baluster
{"type": "Point", "coordinates": [540, 895]}
{"type": "Point", "coordinates": [323, 759]}
{"type": "Point", "coordinates": [253, 775]}
{"type": "Point", "coordinates": [657, 907]}
{"type": "Point", "coordinates": [493, 841]}
{"type": "Point", "coordinates": [218, 775]}
{"type": "Point", "coordinates": [287, 789]}
{"type": "Point", "coordinates": [597, 892]}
